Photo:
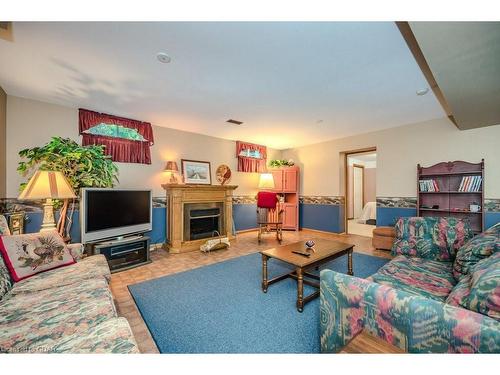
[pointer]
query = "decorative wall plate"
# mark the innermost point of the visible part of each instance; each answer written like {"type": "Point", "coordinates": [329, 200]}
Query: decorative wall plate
{"type": "Point", "coordinates": [223, 174]}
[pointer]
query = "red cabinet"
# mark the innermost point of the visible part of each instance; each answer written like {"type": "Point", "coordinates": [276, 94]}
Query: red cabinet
{"type": "Point", "coordinates": [286, 184]}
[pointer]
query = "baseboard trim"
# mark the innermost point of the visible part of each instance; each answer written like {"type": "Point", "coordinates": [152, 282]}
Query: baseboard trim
{"type": "Point", "coordinates": [320, 231]}
{"type": "Point", "coordinates": [247, 230]}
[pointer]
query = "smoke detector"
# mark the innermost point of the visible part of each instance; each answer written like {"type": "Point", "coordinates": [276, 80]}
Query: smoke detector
{"type": "Point", "coordinates": [163, 57]}
{"type": "Point", "coordinates": [422, 92]}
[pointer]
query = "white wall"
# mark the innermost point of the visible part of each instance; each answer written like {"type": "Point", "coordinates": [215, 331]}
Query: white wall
{"type": "Point", "coordinates": [399, 150]}
{"type": "Point", "coordinates": [32, 123]}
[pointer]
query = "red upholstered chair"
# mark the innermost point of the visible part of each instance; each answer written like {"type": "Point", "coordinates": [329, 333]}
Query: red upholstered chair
{"type": "Point", "coordinates": [269, 215]}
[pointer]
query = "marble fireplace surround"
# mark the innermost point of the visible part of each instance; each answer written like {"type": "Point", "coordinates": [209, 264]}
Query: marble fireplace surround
{"type": "Point", "coordinates": [178, 195]}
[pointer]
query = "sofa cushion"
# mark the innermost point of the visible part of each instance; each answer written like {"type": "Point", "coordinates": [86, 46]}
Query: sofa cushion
{"type": "Point", "coordinates": [5, 280]}
{"type": "Point", "coordinates": [434, 238]}
{"type": "Point", "coordinates": [460, 293]}
{"type": "Point", "coordinates": [111, 336]}
{"type": "Point", "coordinates": [4, 226]}
{"type": "Point", "coordinates": [423, 277]}
{"type": "Point", "coordinates": [26, 255]}
{"type": "Point", "coordinates": [476, 249]}
{"type": "Point", "coordinates": [484, 294]}
{"type": "Point", "coordinates": [37, 321]}
{"type": "Point", "coordinates": [91, 267]}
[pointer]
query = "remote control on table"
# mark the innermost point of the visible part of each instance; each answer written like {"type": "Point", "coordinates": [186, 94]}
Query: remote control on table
{"type": "Point", "coordinates": [301, 253]}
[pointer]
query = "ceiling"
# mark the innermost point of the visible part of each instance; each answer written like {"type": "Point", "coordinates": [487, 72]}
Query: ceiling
{"type": "Point", "coordinates": [465, 60]}
{"type": "Point", "coordinates": [291, 83]}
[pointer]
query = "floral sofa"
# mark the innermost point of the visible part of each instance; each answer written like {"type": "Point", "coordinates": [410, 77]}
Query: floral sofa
{"type": "Point", "coordinates": [440, 294]}
{"type": "Point", "coordinates": [65, 310]}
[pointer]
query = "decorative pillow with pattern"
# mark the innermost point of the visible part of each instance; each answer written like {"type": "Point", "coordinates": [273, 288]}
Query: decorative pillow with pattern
{"type": "Point", "coordinates": [28, 254]}
{"type": "Point", "coordinates": [459, 295]}
{"type": "Point", "coordinates": [435, 238]}
{"type": "Point", "coordinates": [478, 248]}
{"type": "Point", "coordinates": [4, 226]}
{"type": "Point", "coordinates": [484, 294]}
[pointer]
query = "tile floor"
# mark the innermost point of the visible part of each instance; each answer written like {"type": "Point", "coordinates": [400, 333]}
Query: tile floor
{"type": "Point", "coordinates": [167, 264]}
{"type": "Point", "coordinates": [353, 227]}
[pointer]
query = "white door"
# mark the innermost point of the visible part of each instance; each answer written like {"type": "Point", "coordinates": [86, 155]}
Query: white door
{"type": "Point", "coordinates": [357, 191]}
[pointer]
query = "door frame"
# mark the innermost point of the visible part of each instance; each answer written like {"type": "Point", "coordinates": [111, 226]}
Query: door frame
{"type": "Point", "coordinates": [362, 167]}
{"type": "Point", "coordinates": [346, 169]}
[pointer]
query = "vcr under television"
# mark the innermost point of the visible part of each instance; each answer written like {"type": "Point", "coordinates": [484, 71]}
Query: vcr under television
{"type": "Point", "coordinates": [124, 253]}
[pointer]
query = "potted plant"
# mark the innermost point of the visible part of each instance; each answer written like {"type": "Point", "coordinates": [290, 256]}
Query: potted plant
{"type": "Point", "coordinates": [83, 166]}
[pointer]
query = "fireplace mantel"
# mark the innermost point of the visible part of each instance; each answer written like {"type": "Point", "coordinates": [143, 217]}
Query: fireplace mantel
{"type": "Point", "coordinates": [178, 195]}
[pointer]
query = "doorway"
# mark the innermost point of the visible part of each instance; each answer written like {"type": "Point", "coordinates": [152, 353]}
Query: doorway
{"type": "Point", "coordinates": [360, 192]}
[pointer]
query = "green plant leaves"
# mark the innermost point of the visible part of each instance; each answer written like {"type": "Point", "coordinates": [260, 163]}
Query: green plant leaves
{"type": "Point", "coordinates": [84, 166]}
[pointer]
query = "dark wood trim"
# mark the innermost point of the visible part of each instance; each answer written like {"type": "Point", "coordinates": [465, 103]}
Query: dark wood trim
{"type": "Point", "coordinates": [411, 41]}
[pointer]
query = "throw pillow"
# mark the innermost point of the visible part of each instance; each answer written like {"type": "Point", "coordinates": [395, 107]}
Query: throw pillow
{"type": "Point", "coordinates": [436, 238]}
{"type": "Point", "coordinates": [478, 248]}
{"type": "Point", "coordinates": [414, 237]}
{"type": "Point", "coordinates": [484, 295]}
{"type": "Point", "coordinates": [28, 254]}
{"type": "Point", "coordinates": [459, 295]}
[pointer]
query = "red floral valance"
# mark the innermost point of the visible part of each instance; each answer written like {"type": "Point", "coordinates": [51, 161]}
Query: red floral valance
{"type": "Point", "coordinates": [120, 150]}
{"type": "Point", "coordinates": [251, 164]}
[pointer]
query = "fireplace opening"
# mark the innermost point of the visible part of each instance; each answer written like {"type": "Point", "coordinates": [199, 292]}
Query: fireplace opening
{"type": "Point", "coordinates": [202, 220]}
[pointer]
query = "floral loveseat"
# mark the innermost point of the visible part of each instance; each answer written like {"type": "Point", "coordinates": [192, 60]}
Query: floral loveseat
{"type": "Point", "coordinates": [65, 310]}
{"type": "Point", "coordinates": [441, 292]}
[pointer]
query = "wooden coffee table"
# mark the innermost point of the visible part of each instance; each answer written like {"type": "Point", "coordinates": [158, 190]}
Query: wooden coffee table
{"type": "Point", "coordinates": [323, 251]}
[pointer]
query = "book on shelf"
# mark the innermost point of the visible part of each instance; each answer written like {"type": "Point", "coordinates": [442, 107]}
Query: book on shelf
{"type": "Point", "coordinates": [470, 184]}
{"type": "Point", "coordinates": [428, 185]}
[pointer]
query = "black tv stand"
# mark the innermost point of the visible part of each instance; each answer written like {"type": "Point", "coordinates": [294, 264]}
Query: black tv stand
{"type": "Point", "coordinates": [123, 253]}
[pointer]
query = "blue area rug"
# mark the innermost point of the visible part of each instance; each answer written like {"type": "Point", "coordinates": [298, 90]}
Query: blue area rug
{"type": "Point", "coordinates": [221, 309]}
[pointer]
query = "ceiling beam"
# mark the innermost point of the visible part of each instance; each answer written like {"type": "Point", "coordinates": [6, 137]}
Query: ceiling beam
{"type": "Point", "coordinates": [411, 41]}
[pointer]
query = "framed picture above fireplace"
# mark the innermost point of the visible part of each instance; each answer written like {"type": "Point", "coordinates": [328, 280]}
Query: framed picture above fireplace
{"type": "Point", "coordinates": [196, 172]}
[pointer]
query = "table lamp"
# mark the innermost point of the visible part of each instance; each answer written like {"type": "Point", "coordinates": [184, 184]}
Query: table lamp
{"type": "Point", "coordinates": [172, 168]}
{"type": "Point", "coordinates": [47, 185]}
{"type": "Point", "coordinates": [266, 181]}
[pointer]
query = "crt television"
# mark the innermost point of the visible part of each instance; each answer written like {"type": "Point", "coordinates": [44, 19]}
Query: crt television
{"type": "Point", "coordinates": [111, 213]}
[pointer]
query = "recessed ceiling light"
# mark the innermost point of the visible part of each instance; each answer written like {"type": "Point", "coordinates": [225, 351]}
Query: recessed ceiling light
{"type": "Point", "coordinates": [422, 91]}
{"type": "Point", "coordinates": [235, 122]}
{"type": "Point", "coordinates": [163, 57]}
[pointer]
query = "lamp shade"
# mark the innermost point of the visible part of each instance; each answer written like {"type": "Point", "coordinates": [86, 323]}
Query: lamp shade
{"type": "Point", "coordinates": [171, 166]}
{"type": "Point", "coordinates": [48, 184]}
{"type": "Point", "coordinates": [266, 181]}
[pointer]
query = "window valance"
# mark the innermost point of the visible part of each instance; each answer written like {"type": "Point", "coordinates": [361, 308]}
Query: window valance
{"type": "Point", "coordinates": [108, 130]}
{"type": "Point", "coordinates": [251, 157]}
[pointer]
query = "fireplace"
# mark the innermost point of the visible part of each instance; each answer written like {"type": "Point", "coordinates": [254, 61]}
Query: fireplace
{"type": "Point", "coordinates": [203, 220]}
{"type": "Point", "coordinates": [194, 212]}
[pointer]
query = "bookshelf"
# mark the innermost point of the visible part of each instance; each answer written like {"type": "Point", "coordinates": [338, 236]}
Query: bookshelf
{"type": "Point", "coordinates": [449, 189]}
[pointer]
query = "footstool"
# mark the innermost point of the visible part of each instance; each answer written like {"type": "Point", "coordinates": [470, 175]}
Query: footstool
{"type": "Point", "coordinates": [383, 237]}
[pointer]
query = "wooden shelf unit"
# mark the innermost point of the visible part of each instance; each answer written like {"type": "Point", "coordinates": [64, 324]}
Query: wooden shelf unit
{"type": "Point", "coordinates": [286, 182]}
{"type": "Point", "coordinates": [451, 202]}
